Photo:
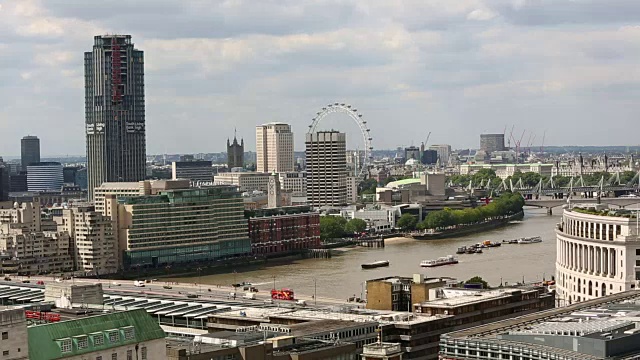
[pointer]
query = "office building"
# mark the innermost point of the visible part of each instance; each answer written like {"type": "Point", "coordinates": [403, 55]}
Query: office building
{"type": "Point", "coordinates": [398, 293]}
{"type": "Point", "coordinates": [492, 142]}
{"type": "Point", "coordinates": [235, 153]}
{"type": "Point", "coordinates": [5, 185]}
{"type": "Point", "coordinates": [597, 254]}
{"type": "Point", "coordinates": [114, 111]}
{"type": "Point", "coordinates": [296, 182]}
{"type": "Point", "coordinates": [122, 189]}
{"type": "Point", "coordinates": [285, 230]}
{"type": "Point", "coordinates": [125, 335]}
{"type": "Point", "coordinates": [412, 152]}
{"type": "Point", "coordinates": [382, 351]}
{"type": "Point", "coordinates": [195, 171]}
{"type": "Point", "coordinates": [429, 157]}
{"type": "Point", "coordinates": [179, 225]}
{"type": "Point", "coordinates": [26, 247]}
{"type": "Point", "coordinates": [18, 182]}
{"type": "Point", "coordinates": [44, 176]}
{"type": "Point", "coordinates": [81, 178]}
{"type": "Point", "coordinates": [13, 326]}
{"type": "Point", "coordinates": [245, 181]}
{"type": "Point", "coordinates": [67, 194]}
{"type": "Point", "coordinates": [443, 151]}
{"type": "Point", "coordinates": [326, 168]}
{"type": "Point", "coordinates": [603, 328]}
{"type": "Point", "coordinates": [93, 243]}
{"type": "Point", "coordinates": [274, 148]}
{"type": "Point", "coordinates": [29, 151]}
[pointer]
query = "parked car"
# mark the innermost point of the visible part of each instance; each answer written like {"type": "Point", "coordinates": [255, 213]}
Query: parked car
{"type": "Point", "coordinates": [167, 287]}
{"type": "Point", "coordinates": [40, 282]}
{"type": "Point", "coordinates": [6, 278]}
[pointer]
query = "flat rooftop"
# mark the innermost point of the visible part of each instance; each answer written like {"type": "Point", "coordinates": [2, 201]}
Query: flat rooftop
{"type": "Point", "coordinates": [628, 299]}
{"type": "Point", "coordinates": [474, 296]}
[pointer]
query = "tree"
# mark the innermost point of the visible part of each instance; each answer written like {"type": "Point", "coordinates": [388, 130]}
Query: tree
{"type": "Point", "coordinates": [367, 186]}
{"type": "Point", "coordinates": [332, 227]}
{"type": "Point", "coordinates": [407, 222]}
{"type": "Point", "coordinates": [484, 175]}
{"type": "Point", "coordinates": [355, 226]}
{"type": "Point", "coordinates": [478, 280]}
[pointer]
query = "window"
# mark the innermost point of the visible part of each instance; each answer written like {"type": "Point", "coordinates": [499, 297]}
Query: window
{"type": "Point", "coordinates": [129, 333]}
{"type": "Point", "coordinates": [129, 354]}
{"type": "Point", "coordinates": [65, 345]}
{"type": "Point", "coordinates": [114, 356]}
{"type": "Point", "coordinates": [83, 343]}
{"type": "Point", "coordinates": [5, 353]}
{"type": "Point", "coordinates": [143, 353]}
{"type": "Point", "coordinates": [98, 340]}
{"type": "Point", "coordinates": [5, 335]}
{"type": "Point", "coordinates": [98, 357]}
{"type": "Point", "coordinates": [113, 337]}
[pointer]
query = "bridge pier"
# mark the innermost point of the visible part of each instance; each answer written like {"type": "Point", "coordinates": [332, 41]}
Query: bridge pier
{"type": "Point", "coordinates": [549, 211]}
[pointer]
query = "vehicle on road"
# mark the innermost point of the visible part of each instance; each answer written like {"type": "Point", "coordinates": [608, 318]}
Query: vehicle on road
{"type": "Point", "coordinates": [39, 282]}
{"type": "Point", "coordinates": [6, 278]}
{"type": "Point", "coordinates": [250, 296]}
{"type": "Point", "coordinates": [192, 296]}
{"type": "Point", "coordinates": [282, 294]}
{"type": "Point", "coordinates": [167, 287]}
{"type": "Point", "coordinates": [115, 284]}
{"type": "Point", "coordinates": [26, 281]}
{"type": "Point", "coordinates": [301, 302]}
{"type": "Point", "coordinates": [138, 283]}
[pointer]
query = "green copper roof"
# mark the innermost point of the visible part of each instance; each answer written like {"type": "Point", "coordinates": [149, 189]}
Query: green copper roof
{"type": "Point", "coordinates": [91, 334]}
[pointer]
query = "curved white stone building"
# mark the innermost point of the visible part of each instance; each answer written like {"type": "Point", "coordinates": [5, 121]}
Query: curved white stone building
{"type": "Point", "coordinates": [598, 253]}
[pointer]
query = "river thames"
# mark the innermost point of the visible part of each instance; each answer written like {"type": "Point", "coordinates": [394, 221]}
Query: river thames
{"type": "Point", "coordinates": [342, 276]}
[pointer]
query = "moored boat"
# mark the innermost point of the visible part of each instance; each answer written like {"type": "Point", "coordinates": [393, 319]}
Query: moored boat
{"type": "Point", "coordinates": [375, 264]}
{"type": "Point", "coordinates": [446, 260]}
{"type": "Point", "coordinates": [461, 250]}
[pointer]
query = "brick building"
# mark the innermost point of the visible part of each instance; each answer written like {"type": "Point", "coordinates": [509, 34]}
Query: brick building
{"type": "Point", "coordinates": [284, 230]}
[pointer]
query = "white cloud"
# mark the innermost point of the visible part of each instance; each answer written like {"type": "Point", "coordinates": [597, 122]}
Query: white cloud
{"type": "Point", "coordinates": [481, 15]}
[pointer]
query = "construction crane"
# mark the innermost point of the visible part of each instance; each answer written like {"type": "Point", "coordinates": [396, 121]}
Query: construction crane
{"type": "Point", "coordinates": [426, 142]}
{"type": "Point", "coordinates": [542, 145]}
{"type": "Point", "coordinates": [517, 144]}
{"type": "Point", "coordinates": [510, 136]}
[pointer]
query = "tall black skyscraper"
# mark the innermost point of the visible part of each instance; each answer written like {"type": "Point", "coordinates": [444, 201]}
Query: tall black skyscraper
{"type": "Point", "coordinates": [114, 111]}
{"type": "Point", "coordinates": [30, 151]}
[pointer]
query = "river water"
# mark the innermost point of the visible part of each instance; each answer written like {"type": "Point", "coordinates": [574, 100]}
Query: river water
{"type": "Point", "coordinates": [342, 276]}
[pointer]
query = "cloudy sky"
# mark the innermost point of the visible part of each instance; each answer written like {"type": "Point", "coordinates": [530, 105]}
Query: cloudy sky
{"type": "Point", "coordinates": [453, 67]}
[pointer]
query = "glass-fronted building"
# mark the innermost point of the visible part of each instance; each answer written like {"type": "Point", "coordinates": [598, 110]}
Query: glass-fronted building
{"type": "Point", "coordinates": [180, 226]}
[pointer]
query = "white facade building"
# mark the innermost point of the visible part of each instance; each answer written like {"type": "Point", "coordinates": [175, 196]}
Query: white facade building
{"type": "Point", "coordinates": [274, 148]}
{"type": "Point", "coordinates": [444, 152]}
{"type": "Point", "coordinates": [597, 253]}
{"type": "Point", "coordinates": [377, 219]}
{"type": "Point", "coordinates": [296, 182]}
{"type": "Point", "coordinates": [93, 242]}
{"type": "Point", "coordinates": [326, 168]}
{"type": "Point", "coordinates": [504, 171]}
{"type": "Point", "coordinates": [245, 181]}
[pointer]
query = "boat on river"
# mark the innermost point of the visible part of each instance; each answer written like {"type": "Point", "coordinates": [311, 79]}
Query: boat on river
{"type": "Point", "coordinates": [530, 240]}
{"type": "Point", "coordinates": [375, 264]}
{"type": "Point", "coordinates": [446, 260]}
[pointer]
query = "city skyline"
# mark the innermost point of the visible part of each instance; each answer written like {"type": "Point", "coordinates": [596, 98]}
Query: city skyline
{"type": "Point", "coordinates": [473, 65]}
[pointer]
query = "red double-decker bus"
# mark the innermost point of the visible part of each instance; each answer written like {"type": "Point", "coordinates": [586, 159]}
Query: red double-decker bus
{"type": "Point", "coordinates": [282, 294]}
{"type": "Point", "coordinates": [45, 316]}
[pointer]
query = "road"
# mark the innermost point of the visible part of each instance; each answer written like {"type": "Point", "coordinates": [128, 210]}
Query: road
{"type": "Point", "coordinates": [179, 291]}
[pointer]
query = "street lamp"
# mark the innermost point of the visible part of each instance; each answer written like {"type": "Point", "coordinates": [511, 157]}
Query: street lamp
{"type": "Point", "coordinates": [315, 293]}
{"type": "Point", "coordinates": [199, 280]}
{"type": "Point", "coordinates": [274, 281]}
